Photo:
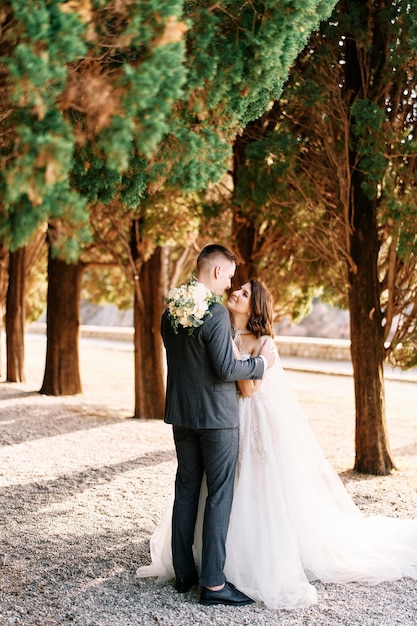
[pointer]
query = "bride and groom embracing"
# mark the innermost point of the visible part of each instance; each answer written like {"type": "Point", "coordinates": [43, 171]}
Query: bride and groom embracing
{"type": "Point", "coordinates": [258, 512]}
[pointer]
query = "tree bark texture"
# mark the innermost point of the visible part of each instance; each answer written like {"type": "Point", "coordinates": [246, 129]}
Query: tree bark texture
{"type": "Point", "coordinates": [367, 340]}
{"type": "Point", "coordinates": [149, 363]}
{"type": "Point", "coordinates": [15, 317]}
{"type": "Point", "coordinates": [62, 372]}
{"type": "Point", "coordinates": [4, 281]}
{"type": "Point", "coordinates": [367, 333]}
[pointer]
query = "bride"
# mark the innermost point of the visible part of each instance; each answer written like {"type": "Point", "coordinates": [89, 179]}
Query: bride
{"type": "Point", "coordinates": [292, 521]}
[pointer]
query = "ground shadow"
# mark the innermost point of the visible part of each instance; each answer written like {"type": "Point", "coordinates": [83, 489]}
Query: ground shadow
{"type": "Point", "coordinates": [24, 422]}
{"type": "Point", "coordinates": [27, 499]}
{"type": "Point", "coordinates": [9, 394]}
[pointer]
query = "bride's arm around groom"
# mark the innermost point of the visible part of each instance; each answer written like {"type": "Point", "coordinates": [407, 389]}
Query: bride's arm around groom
{"type": "Point", "coordinates": [201, 405]}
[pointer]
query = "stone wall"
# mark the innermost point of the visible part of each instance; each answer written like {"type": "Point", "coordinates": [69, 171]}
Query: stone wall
{"type": "Point", "coordinates": [314, 348]}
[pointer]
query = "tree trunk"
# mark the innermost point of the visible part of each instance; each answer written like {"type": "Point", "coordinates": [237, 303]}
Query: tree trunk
{"type": "Point", "coordinates": [149, 358]}
{"type": "Point", "coordinates": [4, 281]}
{"type": "Point", "coordinates": [243, 235]}
{"type": "Point", "coordinates": [62, 374]}
{"type": "Point", "coordinates": [367, 333]}
{"type": "Point", "coordinates": [367, 340]}
{"type": "Point", "coordinates": [243, 229]}
{"type": "Point", "coordinates": [15, 317]}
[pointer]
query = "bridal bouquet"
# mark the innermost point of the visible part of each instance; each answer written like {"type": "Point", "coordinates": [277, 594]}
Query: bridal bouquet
{"type": "Point", "coordinates": [189, 304]}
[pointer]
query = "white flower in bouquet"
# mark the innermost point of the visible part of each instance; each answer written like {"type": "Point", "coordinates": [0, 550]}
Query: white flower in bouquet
{"type": "Point", "coordinates": [189, 304]}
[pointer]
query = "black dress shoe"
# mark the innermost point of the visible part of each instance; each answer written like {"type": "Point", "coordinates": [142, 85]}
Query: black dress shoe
{"type": "Point", "coordinates": [182, 585]}
{"type": "Point", "coordinates": [228, 595]}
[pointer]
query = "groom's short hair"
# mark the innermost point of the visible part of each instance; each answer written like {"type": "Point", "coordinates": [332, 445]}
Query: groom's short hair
{"type": "Point", "coordinates": [213, 251]}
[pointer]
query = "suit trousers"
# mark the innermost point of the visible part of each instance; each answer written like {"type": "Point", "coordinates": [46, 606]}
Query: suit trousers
{"type": "Point", "coordinates": [214, 451]}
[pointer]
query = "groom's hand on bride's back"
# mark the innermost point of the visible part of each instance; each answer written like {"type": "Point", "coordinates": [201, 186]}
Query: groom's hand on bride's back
{"type": "Point", "coordinates": [268, 351]}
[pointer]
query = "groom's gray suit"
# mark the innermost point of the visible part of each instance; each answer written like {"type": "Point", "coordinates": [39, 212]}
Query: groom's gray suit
{"type": "Point", "coordinates": [201, 404]}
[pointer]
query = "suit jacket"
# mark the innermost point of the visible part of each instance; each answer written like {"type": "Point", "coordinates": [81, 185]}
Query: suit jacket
{"type": "Point", "coordinates": [202, 371]}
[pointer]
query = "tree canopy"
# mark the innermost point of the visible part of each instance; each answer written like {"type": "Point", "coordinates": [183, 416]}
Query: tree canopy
{"type": "Point", "coordinates": [111, 98]}
{"type": "Point", "coordinates": [333, 164]}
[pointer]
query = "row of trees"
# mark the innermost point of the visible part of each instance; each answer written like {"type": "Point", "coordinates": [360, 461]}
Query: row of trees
{"type": "Point", "coordinates": [340, 147]}
{"type": "Point", "coordinates": [148, 103]}
{"type": "Point", "coordinates": [114, 109]}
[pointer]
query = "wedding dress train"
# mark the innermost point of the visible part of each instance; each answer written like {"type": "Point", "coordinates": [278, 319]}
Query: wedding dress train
{"type": "Point", "coordinates": [292, 520]}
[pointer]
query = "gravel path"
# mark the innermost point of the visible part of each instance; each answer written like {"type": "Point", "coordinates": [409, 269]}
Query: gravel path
{"type": "Point", "coordinates": [82, 487]}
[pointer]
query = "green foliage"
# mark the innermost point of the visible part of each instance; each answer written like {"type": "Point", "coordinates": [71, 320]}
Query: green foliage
{"type": "Point", "coordinates": [132, 188]}
{"type": "Point", "coordinates": [45, 150]}
{"type": "Point", "coordinates": [151, 93]}
{"type": "Point", "coordinates": [368, 121]}
{"type": "Point", "coordinates": [38, 145]}
{"type": "Point", "coordinates": [204, 62]}
{"type": "Point", "coordinates": [203, 162]}
{"type": "Point", "coordinates": [349, 107]}
{"type": "Point", "coordinates": [112, 100]}
{"type": "Point", "coordinates": [268, 161]}
{"type": "Point", "coordinates": [243, 51]}
{"type": "Point", "coordinates": [90, 175]}
{"type": "Point", "coordinates": [39, 155]}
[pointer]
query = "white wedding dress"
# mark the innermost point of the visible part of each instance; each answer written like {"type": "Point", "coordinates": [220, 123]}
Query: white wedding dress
{"type": "Point", "coordinates": [292, 520]}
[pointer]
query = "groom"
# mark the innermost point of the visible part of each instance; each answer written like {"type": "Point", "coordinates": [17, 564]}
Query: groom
{"type": "Point", "coordinates": [201, 404]}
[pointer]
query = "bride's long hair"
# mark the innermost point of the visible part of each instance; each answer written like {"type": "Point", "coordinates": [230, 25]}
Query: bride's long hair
{"type": "Point", "coordinates": [262, 307]}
